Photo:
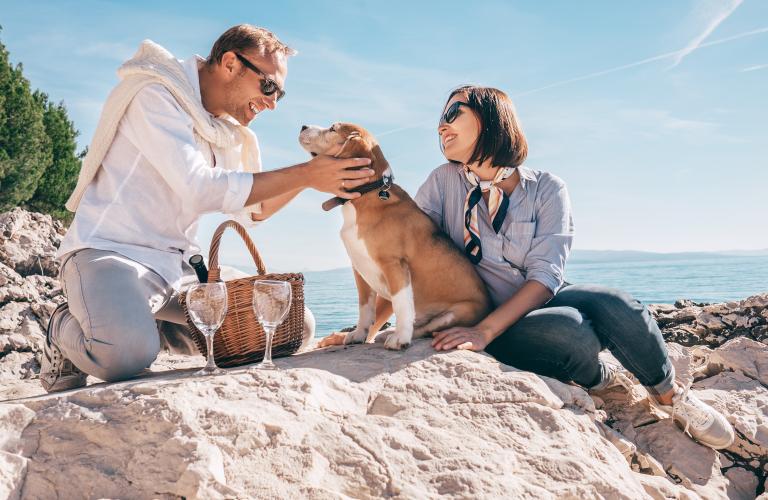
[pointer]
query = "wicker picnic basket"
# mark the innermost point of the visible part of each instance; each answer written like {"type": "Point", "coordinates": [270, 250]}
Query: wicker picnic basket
{"type": "Point", "coordinates": [241, 339]}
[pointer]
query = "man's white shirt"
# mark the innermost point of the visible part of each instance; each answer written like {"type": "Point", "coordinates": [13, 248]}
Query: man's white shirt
{"type": "Point", "coordinates": [155, 182]}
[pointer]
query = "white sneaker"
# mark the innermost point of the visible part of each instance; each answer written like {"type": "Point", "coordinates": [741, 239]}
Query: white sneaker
{"type": "Point", "coordinates": [699, 420]}
{"type": "Point", "coordinates": [57, 373]}
{"type": "Point", "coordinates": [615, 375]}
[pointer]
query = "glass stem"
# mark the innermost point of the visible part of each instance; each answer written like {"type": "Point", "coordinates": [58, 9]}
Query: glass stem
{"type": "Point", "coordinates": [270, 332]}
{"type": "Point", "coordinates": [211, 365]}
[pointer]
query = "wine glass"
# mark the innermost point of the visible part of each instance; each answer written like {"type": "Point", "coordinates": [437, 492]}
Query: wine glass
{"type": "Point", "coordinates": [271, 302]}
{"type": "Point", "coordinates": [207, 306]}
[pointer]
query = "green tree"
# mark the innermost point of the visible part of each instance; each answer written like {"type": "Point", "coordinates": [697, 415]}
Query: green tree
{"type": "Point", "coordinates": [25, 149]}
{"type": "Point", "coordinates": [59, 179]}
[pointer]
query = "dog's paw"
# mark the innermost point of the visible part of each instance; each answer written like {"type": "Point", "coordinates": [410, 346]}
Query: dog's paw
{"type": "Point", "coordinates": [356, 336]}
{"type": "Point", "coordinates": [397, 341]}
{"type": "Point", "coordinates": [383, 335]}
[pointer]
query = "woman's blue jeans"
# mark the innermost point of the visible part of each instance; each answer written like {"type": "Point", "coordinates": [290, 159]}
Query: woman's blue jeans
{"type": "Point", "coordinates": [563, 338]}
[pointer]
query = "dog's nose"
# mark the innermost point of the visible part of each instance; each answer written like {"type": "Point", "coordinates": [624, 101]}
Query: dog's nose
{"type": "Point", "coordinates": [303, 128]}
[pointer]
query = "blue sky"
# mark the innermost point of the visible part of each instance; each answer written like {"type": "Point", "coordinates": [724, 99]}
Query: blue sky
{"type": "Point", "coordinates": [654, 113]}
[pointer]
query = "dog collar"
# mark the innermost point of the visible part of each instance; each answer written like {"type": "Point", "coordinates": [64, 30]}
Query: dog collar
{"type": "Point", "coordinates": [383, 185]}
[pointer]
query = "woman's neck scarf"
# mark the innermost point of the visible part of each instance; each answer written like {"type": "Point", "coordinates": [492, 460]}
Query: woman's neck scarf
{"type": "Point", "coordinates": [498, 202]}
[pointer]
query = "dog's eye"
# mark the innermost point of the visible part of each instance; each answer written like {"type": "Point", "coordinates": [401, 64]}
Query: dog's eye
{"type": "Point", "coordinates": [333, 128]}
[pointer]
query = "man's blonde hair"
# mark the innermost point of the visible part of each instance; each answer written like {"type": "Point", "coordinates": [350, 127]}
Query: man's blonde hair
{"type": "Point", "coordinates": [247, 37]}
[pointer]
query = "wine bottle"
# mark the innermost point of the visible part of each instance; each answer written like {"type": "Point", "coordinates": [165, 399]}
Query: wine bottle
{"type": "Point", "coordinates": [198, 264]}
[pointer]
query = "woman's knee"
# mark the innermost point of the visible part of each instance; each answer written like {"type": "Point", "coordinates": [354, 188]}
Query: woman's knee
{"type": "Point", "coordinates": [558, 333]}
{"type": "Point", "coordinates": [598, 301]}
{"type": "Point", "coordinates": [579, 293]}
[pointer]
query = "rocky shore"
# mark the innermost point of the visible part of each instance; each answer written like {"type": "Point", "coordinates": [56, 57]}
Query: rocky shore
{"type": "Point", "coordinates": [363, 422]}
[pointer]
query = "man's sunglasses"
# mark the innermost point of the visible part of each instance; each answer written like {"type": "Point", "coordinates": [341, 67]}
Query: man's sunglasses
{"type": "Point", "coordinates": [452, 112]}
{"type": "Point", "coordinates": [268, 85]}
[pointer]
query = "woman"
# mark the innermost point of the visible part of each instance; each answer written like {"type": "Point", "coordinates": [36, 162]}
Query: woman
{"type": "Point", "coordinates": [515, 224]}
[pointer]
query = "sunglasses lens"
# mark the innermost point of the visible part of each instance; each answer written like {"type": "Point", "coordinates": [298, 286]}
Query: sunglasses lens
{"type": "Point", "coordinates": [451, 113]}
{"type": "Point", "coordinates": [268, 87]}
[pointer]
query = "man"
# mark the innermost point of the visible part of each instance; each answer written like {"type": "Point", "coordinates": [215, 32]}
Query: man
{"type": "Point", "coordinates": [172, 144]}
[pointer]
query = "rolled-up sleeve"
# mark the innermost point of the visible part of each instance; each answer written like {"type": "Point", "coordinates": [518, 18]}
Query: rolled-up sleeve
{"type": "Point", "coordinates": [243, 215]}
{"type": "Point", "coordinates": [551, 244]}
{"type": "Point", "coordinates": [429, 199]}
{"type": "Point", "coordinates": [163, 132]}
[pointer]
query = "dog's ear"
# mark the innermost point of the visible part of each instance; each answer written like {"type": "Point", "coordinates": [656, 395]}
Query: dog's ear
{"type": "Point", "coordinates": [357, 147]}
{"type": "Point", "coordinates": [378, 163]}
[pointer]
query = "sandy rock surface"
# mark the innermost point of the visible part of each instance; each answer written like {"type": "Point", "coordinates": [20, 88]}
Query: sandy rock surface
{"type": "Point", "coordinates": [364, 422]}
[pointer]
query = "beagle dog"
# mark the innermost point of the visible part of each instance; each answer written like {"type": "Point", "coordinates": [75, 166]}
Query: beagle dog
{"type": "Point", "coordinates": [396, 250]}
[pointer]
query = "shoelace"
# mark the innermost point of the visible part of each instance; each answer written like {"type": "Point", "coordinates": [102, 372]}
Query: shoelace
{"type": "Point", "coordinates": [624, 381]}
{"type": "Point", "coordinates": [689, 411]}
{"type": "Point", "coordinates": [617, 375]}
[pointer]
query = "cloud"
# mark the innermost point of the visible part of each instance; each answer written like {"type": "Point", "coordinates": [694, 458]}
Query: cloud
{"type": "Point", "coordinates": [713, 13]}
{"type": "Point", "coordinates": [755, 68]}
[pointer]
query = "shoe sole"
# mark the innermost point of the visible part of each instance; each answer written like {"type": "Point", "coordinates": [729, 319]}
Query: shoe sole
{"type": "Point", "coordinates": [64, 384]}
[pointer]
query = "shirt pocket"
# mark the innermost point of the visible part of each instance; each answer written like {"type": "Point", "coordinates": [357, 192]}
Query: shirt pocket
{"type": "Point", "coordinates": [517, 242]}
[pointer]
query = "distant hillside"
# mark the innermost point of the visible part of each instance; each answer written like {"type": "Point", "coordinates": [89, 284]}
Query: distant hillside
{"type": "Point", "coordinates": [584, 256]}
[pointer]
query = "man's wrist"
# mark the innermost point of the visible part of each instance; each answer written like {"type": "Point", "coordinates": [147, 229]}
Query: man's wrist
{"type": "Point", "coordinates": [306, 174]}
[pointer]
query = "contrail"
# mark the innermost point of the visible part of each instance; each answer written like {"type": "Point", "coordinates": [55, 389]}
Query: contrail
{"type": "Point", "coordinates": [644, 61]}
{"type": "Point", "coordinates": [713, 24]}
{"type": "Point", "coordinates": [755, 68]}
{"type": "Point", "coordinates": [589, 76]}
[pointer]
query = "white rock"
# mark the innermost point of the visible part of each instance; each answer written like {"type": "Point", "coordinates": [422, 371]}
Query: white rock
{"type": "Point", "coordinates": [13, 465]}
{"type": "Point", "coordinates": [12, 314]}
{"type": "Point", "coordinates": [18, 341]}
{"type": "Point", "coordinates": [743, 355]}
{"type": "Point", "coordinates": [29, 242]}
{"type": "Point", "coordinates": [16, 365]}
{"type": "Point", "coordinates": [361, 422]}
{"type": "Point", "coordinates": [745, 403]}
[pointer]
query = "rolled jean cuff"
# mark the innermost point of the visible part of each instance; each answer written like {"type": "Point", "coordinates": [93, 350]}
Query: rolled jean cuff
{"type": "Point", "coordinates": [666, 385]}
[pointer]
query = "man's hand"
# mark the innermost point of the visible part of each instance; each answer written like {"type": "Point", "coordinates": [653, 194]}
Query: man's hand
{"type": "Point", "coordinates": [332, 175]}
{"type": "Point", "coordinates": [461, 337]}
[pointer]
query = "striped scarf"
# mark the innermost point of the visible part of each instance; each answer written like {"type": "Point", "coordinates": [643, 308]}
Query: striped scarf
{"type": "Point", "coordinates": [498, 202]}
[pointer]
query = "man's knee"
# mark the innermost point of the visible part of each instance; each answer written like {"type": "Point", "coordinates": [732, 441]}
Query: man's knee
{"type": "Point", "coordinates": [124, 360]}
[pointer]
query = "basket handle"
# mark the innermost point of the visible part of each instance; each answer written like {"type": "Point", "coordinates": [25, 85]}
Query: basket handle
{"type": "Point", "coordinates": [215, 271]}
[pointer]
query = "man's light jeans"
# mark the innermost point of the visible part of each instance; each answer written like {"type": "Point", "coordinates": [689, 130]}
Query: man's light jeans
{"type": "Point", "coordinates": [122, 313]}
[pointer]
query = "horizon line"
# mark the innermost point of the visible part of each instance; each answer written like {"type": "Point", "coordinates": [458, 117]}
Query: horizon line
{"type": "Point", "coordinates": [714, 252]}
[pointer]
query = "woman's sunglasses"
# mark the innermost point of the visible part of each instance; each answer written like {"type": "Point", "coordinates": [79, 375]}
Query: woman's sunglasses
{"type": "Point", "coordinates": [268, 85]}
{"type": "Point", "coordinates": [452, 112]}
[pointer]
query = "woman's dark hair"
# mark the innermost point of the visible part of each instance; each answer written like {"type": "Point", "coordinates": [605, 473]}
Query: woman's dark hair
{"type": "Point", "coordinates": [501, 138]}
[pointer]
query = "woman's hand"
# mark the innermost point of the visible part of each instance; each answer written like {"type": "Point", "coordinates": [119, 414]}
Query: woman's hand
{"type": "Point", "coordinates": [461, 337]}
{"type": "Point", "coordinates": [336, 338]}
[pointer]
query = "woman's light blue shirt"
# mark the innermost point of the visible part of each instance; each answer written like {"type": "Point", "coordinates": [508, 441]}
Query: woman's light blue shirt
{"type": "Point", "coordinates": [535, 238]}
